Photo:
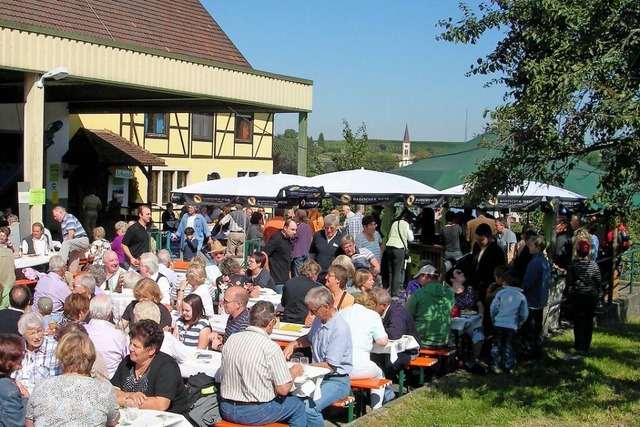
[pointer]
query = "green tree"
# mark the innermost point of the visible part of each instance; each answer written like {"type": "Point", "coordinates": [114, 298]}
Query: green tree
{"type": "Point", "coordinates": [356, 148]}
{"type": "Point", "coordinates": [321, 137]}
{"type": "Point", "coordinates": [290, 134]}
{"type": "Point", "coordinates": [572, 75]}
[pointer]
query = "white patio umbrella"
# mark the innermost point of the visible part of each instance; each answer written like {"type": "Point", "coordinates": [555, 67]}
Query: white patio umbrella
{"type": "Point", "coordinates": [362, 186]}
{"type": "Point", "coordinates": [534, 191]}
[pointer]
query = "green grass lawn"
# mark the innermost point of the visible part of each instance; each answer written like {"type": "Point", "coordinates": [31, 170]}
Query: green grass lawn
{"type": "Point", "coordinates": [600, 390]}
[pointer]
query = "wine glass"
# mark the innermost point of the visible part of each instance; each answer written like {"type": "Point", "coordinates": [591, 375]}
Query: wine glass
{"type": "Point", "coordinates": [131, 409]}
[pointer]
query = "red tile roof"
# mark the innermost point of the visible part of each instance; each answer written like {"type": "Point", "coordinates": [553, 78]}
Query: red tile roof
{"type": "Point", "coordinates": [174, 26]}
{"type": "Point", "coordinates": [104, 146]}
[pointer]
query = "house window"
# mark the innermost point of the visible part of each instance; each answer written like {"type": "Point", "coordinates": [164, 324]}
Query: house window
{"type": "Point", "coordinates": [164, 182]}
{"type": "Point", "coordinates": [202, 127]}
{"type": "Point", "coordinates": [247, 173]}
{"type": "Point", "coordinates": [156, 124]}
{"type": "Point", "coordinates": [244, 128]}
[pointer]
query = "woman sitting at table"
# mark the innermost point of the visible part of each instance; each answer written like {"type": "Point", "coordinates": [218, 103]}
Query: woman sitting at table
{"type": "Point", "coordinates": [336, 281]}
{"type": "Point", "coordinates": [467, 299]}
{"type": "Point", "coordinates": [73, 398]}
{"type": "Point", "coordinates": [98, 369]}
{"type": "Point", "coordinates": [147, 290]}
{"type": "Point", "coordinates": [363, 281]}
{"type": "Point", "coordinates": [345, 261]}
{"type": "Point", "coordinates": [192, 328]}
{"type": "Point", "coordinates": [11, 391]}
{"type": "Point", "coordinates": [147, 376]}
{"type": "Point", "coordinates": [39, 359]}
{"type": "Point", "coordinates": [76, 309]}
{"type": "Point", "coordinates": [257, 274]}
{"type": "Point", "coordinates": [231, 274]}
{"type": "Point", "coordinates": [366, 329]}
{"type": "Point", "coordinates": [196, 280]}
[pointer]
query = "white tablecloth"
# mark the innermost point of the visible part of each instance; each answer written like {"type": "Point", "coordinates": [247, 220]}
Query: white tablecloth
{"type": "Point", "coordinates": [274, 299]}
{"type": "Point", "coordinates": [466, 321]}
{"type": "Point", "coordinates": [153, 418]}
{"type": "Point", "coordinates": [308, 384]}
{"type": "Point", "coordinates": [393, 347]}
{"type": "Point", "coordinates": [219, 322]}
{"type": "Point", "coordinates": [31, 261]}
{"type": "Point", "coordinates": [206, 361]}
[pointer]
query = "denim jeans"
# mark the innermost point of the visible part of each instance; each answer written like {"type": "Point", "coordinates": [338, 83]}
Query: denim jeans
{"type": "Point", "coordinates": [288, 409]}
{"type": "Point", "coordinates": [332, 389]}
{"type": "Point", "coordinates": [395, 276]}
{"type": "Point", "coordinates": [502, 352]}
{"type": "Point", "coordinates": [532, 332]}
{"type": "Point", "coordinates": [297, 263]}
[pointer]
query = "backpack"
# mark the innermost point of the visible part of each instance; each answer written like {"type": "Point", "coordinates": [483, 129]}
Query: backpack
{"type": "Point", "coordinates": [623, 240]}
{"type": "Point", "coordinates": [203, 400]}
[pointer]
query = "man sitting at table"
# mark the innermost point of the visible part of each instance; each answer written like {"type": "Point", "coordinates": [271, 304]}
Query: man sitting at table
{"type": "Point", "coordinates": [255, 383]}
{"type": "Point", "coordinates": [330, 340]}
{"type": "Point", "coordinates": [85, 284]}
{"type": "Point", "coordinates": [113, 270]}
{"type": "Point", "coordinates": [235, 303]}
{"type": "Point", "coordinates": [53, 285]}
{"type": "Point", "coordinates": [20, 301]}
{"type": "Point", "coordinates": [37, 242]}
{"type": "Point", "coordinates": [397, 322]}
{"type": "Point", "coordinates": [431, 307]}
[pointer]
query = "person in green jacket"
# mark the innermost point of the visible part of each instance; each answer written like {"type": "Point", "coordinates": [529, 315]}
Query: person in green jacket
{"type": "Point", "coordinates": [430, 306]}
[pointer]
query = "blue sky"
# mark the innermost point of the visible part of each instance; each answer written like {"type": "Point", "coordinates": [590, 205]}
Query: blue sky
{"type": "Point", "coordinates": [374, 61]}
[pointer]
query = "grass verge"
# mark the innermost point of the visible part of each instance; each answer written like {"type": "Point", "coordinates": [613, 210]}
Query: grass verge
{"type": "Point", "coordinates": [599, 390]}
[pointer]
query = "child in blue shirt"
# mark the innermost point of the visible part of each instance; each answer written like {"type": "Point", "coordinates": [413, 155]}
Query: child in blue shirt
{"type": "Point", "coordinates": [509, 310]}
{"type": "Point", "coordinates": [190, 249]}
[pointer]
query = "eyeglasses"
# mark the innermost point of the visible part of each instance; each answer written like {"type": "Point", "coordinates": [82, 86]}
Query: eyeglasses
{"type": "Point", "coordinates": [314, 311]}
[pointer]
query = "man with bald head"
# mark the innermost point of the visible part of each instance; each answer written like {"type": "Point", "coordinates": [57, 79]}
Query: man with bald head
{"type": "Point", "coordinates": [113, 270]}
{"type": "Point", "coordinates": [235, 304]}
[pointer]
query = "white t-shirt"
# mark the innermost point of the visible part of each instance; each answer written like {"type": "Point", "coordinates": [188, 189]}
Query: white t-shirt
{"type": "Point", "coordinates": [366, 326]}
{"type": "Point", "coordinates": [207, 301]}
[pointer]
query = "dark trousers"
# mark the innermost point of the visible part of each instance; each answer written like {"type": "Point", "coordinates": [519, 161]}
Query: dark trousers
{"type": "Point", "coordinates": [502, 353]}
{"type": "Point", "coordinates": [391, 369]}
{"type": "Point", "coordinates": [584, 307]}
{"type": "Point", "coordinates": [532, 332]}
{"type": "Point", "coordinates": [395, 275]}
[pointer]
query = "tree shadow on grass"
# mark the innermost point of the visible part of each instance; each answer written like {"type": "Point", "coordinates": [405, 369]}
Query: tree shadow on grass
{"type": "Point", "coordinates": [558, 385]}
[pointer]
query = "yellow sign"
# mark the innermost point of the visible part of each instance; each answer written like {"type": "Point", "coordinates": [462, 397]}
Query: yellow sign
{"type": "Point", "coordinates": [37, 196]}
{"type": "Point", "coordinates": [54, 197]}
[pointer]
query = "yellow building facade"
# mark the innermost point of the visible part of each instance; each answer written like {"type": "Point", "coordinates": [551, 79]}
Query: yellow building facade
{"type": "Point", "coordinates": [195, 147]}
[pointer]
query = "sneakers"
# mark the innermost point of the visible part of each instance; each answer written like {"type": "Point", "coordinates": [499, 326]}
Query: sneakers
{"type": "Point", "coordinates": [495, 369]}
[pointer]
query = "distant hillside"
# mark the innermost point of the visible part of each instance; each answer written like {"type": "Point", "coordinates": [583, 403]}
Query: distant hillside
{"type": "Point", "coordinates": [385, 153]}
{"type": "Point", "coordinates": [420, 149]}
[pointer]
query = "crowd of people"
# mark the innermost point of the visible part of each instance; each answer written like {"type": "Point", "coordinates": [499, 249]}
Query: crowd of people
{"type": "Point", "coordinates": [338, 277]}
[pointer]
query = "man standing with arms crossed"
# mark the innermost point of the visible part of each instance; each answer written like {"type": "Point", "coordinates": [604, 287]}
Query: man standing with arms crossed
{"type": "Point", "coordinates": [136, 240]}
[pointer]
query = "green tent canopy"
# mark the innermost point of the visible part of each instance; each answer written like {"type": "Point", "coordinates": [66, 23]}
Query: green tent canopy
{"type": "Point", "coordinates": [448, 168]}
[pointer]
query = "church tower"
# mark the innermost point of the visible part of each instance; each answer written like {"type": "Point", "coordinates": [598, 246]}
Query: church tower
{"type": "Point", "coordinates": [406, 148]}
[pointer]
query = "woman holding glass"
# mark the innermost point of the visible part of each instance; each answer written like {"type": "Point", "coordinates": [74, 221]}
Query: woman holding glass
{"type": "Point", "coordinates": [73, 398]}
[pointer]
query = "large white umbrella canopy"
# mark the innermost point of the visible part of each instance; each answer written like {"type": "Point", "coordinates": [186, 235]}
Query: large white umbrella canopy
{"type": "Point", "coordinates": [364, 186]}
{"type": "Point", "coordinates": [254, 190]}
{"type": "Point", "coordinates": [533, 191]}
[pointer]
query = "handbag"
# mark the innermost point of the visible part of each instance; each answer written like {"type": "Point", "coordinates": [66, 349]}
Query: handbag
{"type": "Point", "coordinates": [407, 254]}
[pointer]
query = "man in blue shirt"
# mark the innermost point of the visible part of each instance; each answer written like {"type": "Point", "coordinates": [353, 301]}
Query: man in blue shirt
{"type": "Point", "coordinates": [330, 340]}
{"type": "Point", "coordinates": [74, 237]}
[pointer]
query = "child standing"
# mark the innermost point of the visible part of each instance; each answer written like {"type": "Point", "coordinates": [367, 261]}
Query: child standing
{"type": "Point", "coordinates": [508, 311]}
{"type": "Point", "coordinates": [190, 249]}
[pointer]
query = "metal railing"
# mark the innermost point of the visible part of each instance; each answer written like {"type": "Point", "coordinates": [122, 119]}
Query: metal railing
{"type": "Point", "coordinates": [629, 266]}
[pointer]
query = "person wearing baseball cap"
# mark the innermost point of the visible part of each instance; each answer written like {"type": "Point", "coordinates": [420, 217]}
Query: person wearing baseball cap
{"type": "Point", "coordinates": [430, 306]}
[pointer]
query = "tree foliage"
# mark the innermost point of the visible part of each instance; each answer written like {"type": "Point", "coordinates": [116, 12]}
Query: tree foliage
{"type": "Point", "coordinates": [356, 148]}
{"type": "Point", "coordinates": [572, 73]}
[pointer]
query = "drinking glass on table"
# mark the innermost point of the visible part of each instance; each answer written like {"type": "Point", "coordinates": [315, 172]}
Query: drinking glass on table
{"type": "Point", "coordinates": [295, 360]}
{"type": "Point", "coordinates": [304, 361]}
{"type": "Point", "coordinates": [131, 410]}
